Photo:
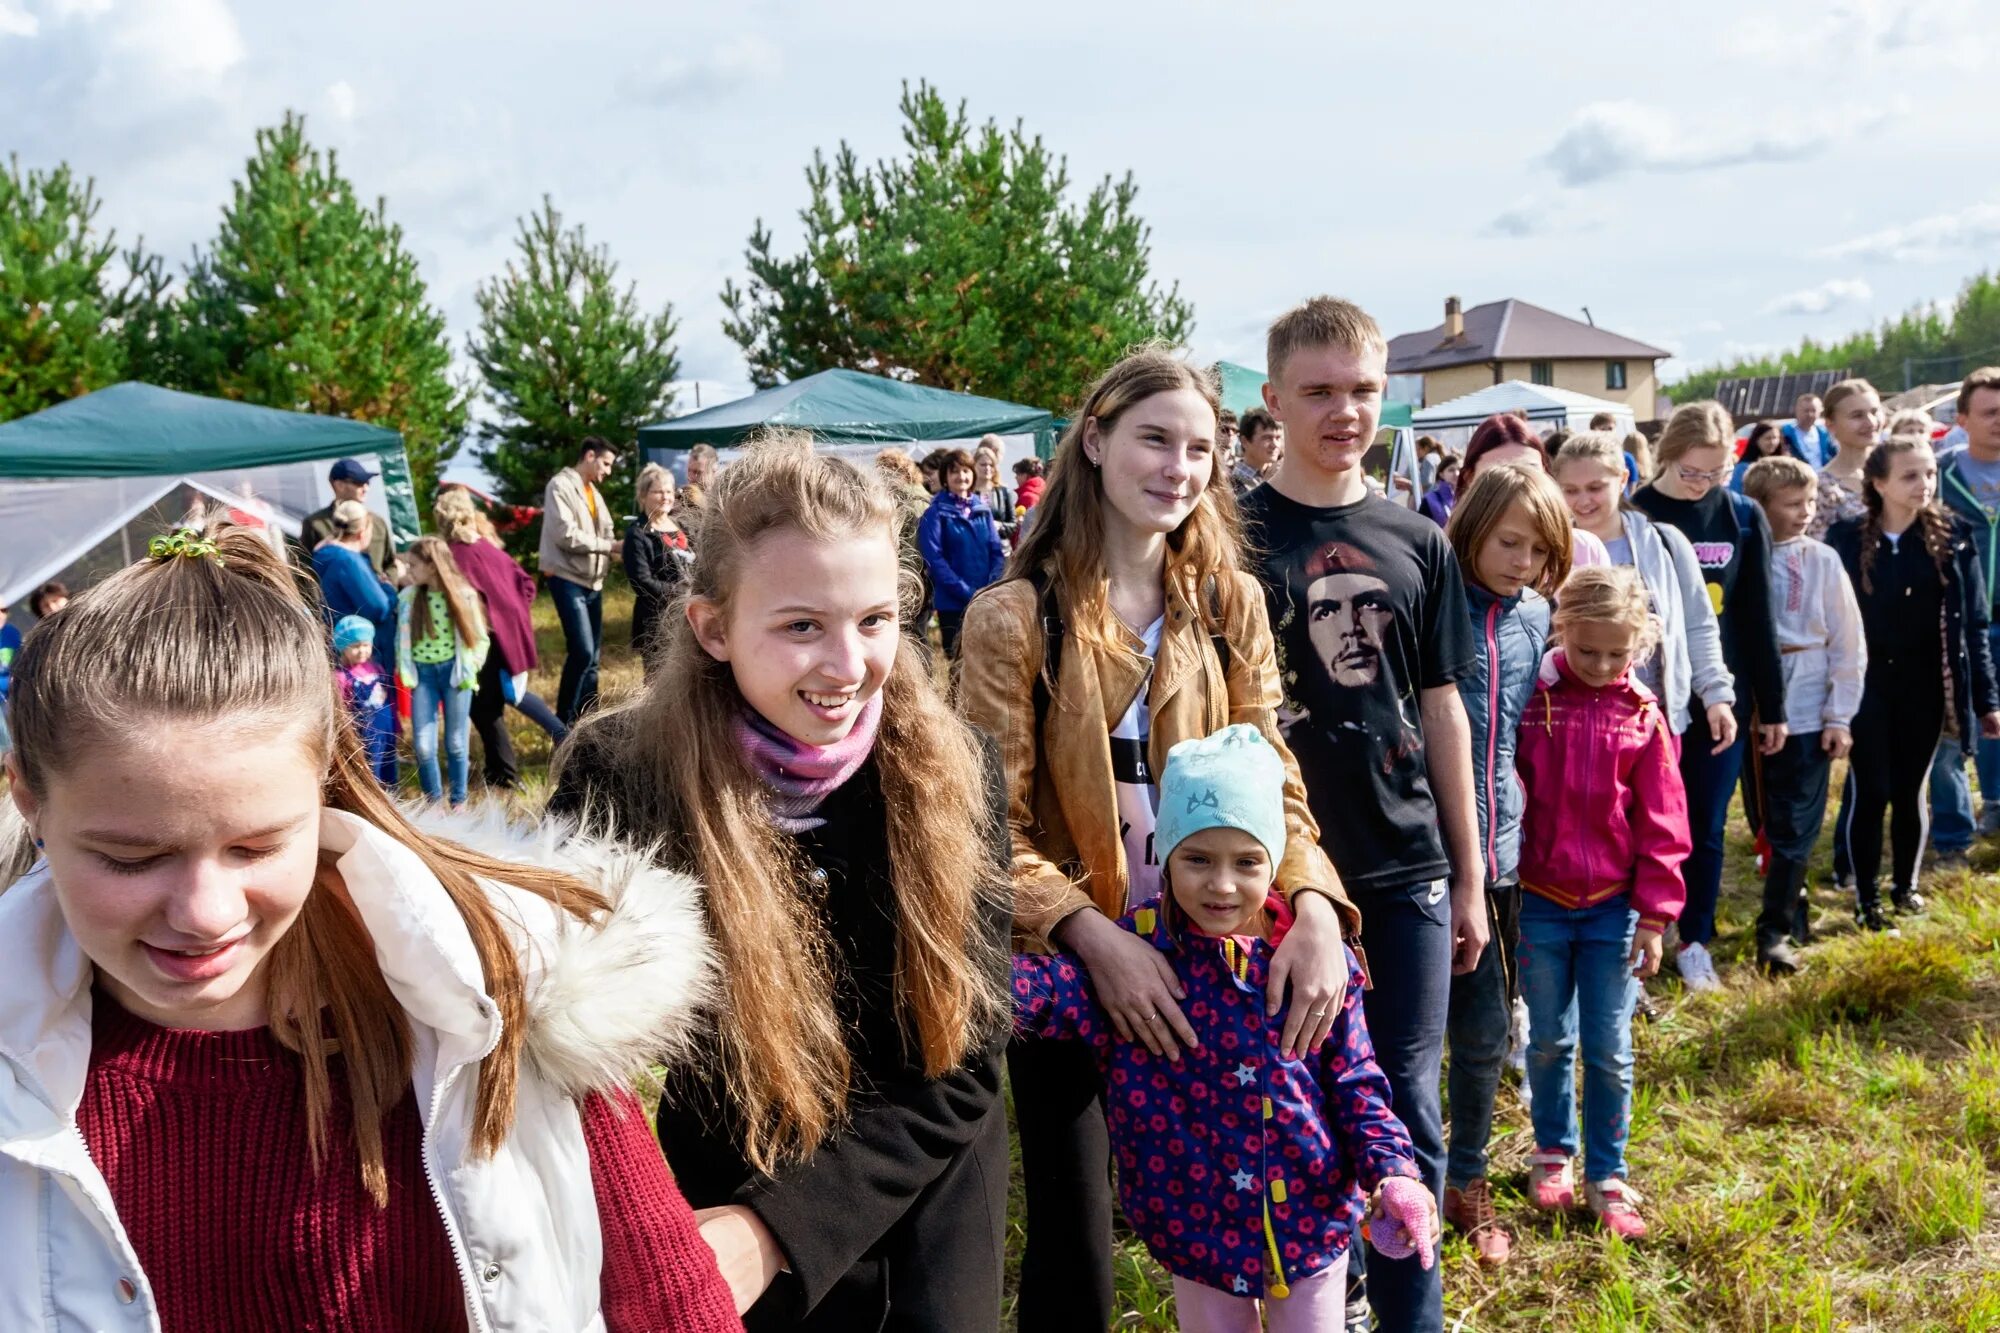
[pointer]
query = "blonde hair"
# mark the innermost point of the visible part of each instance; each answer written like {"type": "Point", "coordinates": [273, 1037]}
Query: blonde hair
{"type": "Point", "coordinates": [674, 765]}
{"type": "Point", "coordinates": [190, 640]}
{"type": "Point", "coordinates": [1641, 449]}
{"type": "Point", "coordinates": [1591, 446]}
{"type": "Point", "coordinates": [1608, 595]}
{"type": "Point", "coordinates": [1067, 537]}
{"type": "Point", "coordinates": [350, 518]}
{"type": "Point", "coordinates": [1912, 421]}
{"type": "Point", "coordinates": [1692, 426]}
{"type": "Point", "coordinates": [896, 463]}
{"type": "Point", "coordinates": [1324, 321]}
{"type": "Point", "coordinates": [456, 516]}
{"type": "Point", "coordinates": [461, 600]}
{"type": "Point", "coordinates": [1841, 392]}
{"type": "Point", "coordinates": [653, 474]}
{"type": "Point", "coordinates": [1492, 494]}
{"type": "Point", "coordinates": [1769, 477]}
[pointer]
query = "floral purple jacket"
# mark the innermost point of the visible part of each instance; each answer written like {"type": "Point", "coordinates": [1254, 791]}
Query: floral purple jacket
{"type": "Point", "coordinates": [1241, 1170]}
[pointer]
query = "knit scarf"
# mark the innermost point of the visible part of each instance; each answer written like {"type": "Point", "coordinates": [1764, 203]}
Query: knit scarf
{"type": "Point", "coordinates": [801, 776]}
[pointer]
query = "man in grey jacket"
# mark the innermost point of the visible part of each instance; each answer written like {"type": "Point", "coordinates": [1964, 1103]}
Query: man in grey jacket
{"type": "Point", "coordinates": [578, 539]}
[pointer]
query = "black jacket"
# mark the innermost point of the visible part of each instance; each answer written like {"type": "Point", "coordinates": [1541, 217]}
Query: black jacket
{"type": "Point", "coordinates": [836, 1213]}
{"type": "Point", "coordinates": [1974, 690]}
{"type": "Point", "coordinates": [657, 574]}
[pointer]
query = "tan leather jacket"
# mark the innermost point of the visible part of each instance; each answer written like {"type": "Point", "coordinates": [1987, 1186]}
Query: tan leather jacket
{"type": "Point", "coordinates": [1062, 807]}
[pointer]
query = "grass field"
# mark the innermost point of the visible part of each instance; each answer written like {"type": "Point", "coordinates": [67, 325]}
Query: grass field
{"type": "Point", "coordinates": [1817, 1154]}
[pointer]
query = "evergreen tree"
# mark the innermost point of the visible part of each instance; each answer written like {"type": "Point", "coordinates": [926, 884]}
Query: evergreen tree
{"type": "Point", "coordinates": [309, 301]}
{"type": "Point", "coordinates": [962, 265]}
{"type": "Point", "coordinates": [565, 354]}
{"type": "Point", "coordinates": [57, 334]}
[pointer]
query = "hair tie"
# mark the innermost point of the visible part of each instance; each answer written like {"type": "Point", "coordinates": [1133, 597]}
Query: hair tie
{"type": "Point", "coordinates": [183, 543]}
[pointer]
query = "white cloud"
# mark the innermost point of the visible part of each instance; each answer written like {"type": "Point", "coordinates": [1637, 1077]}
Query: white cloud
{"type": "Point", "coordinates": [1609, 139]}
{"type": "Point", "coordinates": [1829, 295]}
{"type": "Point", "coordinates": [16, 21]}
{"type": "Point", "coordinates": [1975, 227]}
{"type": "Point", "coordinates": [743, 59]}
{"type": "Point", "coordinates": [1863, 32]}
{"type": "Point", "coordinates": [340, 99]}
{"type": "Point", "coordinates": [173, 41]}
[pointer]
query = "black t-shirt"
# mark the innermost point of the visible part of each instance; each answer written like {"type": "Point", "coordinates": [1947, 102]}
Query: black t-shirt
{"type": "Point", "coordinates": [1368, 612]}
{"type": "Point", "coordinates": [1732, 543]}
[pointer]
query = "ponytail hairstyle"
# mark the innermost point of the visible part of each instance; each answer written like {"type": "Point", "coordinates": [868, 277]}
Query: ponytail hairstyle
{"type": "Point", "coordinates": [460, 600]}
{"type": "Point", "coordinates": [680, 771]}
{"type": "Point", "coordinates": [1692, 426]}
{"type": "Point", "coordinates": [1608, 594]}
{"type": "Point", "coordinates": [1067, 536]}
{"type": "Point", "coordinates": [187, 638]}
{"type": "Point", "coordinates": [1934, 521]}
{"type": "Point", "coordinates": [1484, 503]}
{"type": "Point", "coordinates": [456, 516]}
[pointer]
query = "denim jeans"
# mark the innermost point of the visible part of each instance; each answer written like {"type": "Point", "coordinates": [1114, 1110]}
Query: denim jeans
{"type": "Point", "coordinates": [1952, 825]}
{"type": "Point", "coordinates": [1711, 781]}
{"type": "Point", "coordinates": [581, 611]}
{"type": "Point", "coordinates": [1576, 974]}
{"type": "Point", "coordinates": [434, 692]}
{"type": "Point", "coordinates": [1481, 1014]}
{"type": "Point", "coordinates": [1407, 937]}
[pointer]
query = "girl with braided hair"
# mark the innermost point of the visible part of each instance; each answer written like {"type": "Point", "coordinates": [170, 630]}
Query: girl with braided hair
{"type": "Point", "coordinates": [1930, 671]}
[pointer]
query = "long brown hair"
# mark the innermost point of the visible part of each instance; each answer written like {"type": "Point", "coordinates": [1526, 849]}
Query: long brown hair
{"type": "Point", "coordinates": [1935, 522]}
{"type": "Point", "coordinates": [461, 602]}
{"type": "Point", "coordinates": [189, 639]}
{"type": "Point", "coordinates": [1067, 536]}
{"type": "Point", "coordinates": [681, 773]}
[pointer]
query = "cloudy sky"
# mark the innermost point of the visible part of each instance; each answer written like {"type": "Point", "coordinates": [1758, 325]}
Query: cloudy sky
{"type": "Point", "coordinates": [1711, 177]}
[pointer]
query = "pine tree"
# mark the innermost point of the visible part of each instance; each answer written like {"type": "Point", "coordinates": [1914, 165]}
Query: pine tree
{"type": "Point", "coordinates": [309, 301]}
{"type": "Point", "coordinates": [58, 338]}
{"type": "Point", "coordinates": [964, 265]}
{"type": "Point", "coordinates": [565, 355]}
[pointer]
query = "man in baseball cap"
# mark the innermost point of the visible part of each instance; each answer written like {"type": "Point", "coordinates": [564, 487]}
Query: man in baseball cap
{"type": "Point", "coordinates": [349, 478]}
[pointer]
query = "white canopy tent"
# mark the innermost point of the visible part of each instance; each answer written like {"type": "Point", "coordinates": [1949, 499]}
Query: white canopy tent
{"type": "Point", "coordinates": [1451, 423]}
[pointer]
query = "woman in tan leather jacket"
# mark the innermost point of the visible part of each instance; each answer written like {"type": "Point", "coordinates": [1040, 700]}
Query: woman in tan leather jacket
{"type": "Point", "coordinates": [1125, 625]}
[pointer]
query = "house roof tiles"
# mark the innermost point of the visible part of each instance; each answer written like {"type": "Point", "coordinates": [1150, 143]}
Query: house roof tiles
{"type": "Point", "coordinates": [1513, 330]}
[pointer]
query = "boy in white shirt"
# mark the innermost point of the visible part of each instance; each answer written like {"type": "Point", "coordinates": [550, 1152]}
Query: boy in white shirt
{"type": "Point", "coordinates": [1819, 638]}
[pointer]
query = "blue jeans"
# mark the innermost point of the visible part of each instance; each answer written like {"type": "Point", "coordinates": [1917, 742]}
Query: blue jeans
{"type": "Point", "coordinates": [1576, 975]}
{"type": "Point", "coordinates": [581, 611]}
{"type": "Point", "coordinates": [1407, 937]}
{"type": "Point", "coordinates": [1711, 781]}
{"type": "Point", "coordinates": [435, 691]}
{"type": "Point", "coordinates": [1952, 825]}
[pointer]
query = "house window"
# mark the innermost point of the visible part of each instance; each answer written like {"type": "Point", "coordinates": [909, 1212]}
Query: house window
{"type": "Point", "coordinates": [1614, 374]}
{"type": "Point", "coordinates": [1542, 372]}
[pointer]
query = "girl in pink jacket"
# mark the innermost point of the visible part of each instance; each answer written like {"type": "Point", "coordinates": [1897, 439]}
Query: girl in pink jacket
{"type": "Point", "coordinates": [1603, 838]}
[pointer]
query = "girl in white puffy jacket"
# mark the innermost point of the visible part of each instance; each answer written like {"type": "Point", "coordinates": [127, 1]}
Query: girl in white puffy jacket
{"type": "Point", "coordinates": [273, 1057]}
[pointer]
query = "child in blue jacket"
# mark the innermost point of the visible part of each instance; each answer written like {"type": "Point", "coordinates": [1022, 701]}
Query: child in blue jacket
{"type": "Point", "coordinates": [1247, 1174]}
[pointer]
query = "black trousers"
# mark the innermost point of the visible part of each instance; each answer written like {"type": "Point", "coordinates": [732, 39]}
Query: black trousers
{"type": "Point", "coordinates": [1895, 738]}
{"type": "Point", "coordinates": [1789, 790]}
{"type": "Point", "coordinates": [949, 625]}
{"type": "Point", "coordinates": [489, 706]}
{"type": "Point", "coordinates": [1066, 1279]}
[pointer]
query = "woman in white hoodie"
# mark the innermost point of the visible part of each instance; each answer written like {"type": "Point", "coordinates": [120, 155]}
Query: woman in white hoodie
{"type": "Point", "coordinates": [271, 1056]}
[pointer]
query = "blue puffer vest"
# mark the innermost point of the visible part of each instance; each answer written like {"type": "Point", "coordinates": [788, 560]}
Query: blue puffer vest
{"type": "Point", "coordinates": [1511, 633]}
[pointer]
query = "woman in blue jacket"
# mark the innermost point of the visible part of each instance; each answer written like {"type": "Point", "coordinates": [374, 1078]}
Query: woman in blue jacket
{"type": "Point", "coordinates": [349, 585]}
{"type": "Point", "coordinates": [961, 546]}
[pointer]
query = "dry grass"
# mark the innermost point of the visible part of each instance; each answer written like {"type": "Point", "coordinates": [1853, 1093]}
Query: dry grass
{"type": "Point", "coordinates": [1818, 1154]}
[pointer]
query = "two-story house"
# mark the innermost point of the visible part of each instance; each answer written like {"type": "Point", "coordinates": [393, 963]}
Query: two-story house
{"type": "Point", "coordinates": [1512, 340]}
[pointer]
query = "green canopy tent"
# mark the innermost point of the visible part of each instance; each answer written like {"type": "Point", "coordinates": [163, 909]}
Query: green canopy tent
{"type": "Point", "coordinates": [853, 412]}
{"type": "Point", "coordinates": [1243, 389]}
{"type": "Point", "coordinates": [83, 484]}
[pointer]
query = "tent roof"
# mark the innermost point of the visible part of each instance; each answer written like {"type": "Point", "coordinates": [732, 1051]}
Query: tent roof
{"type": "Point", "coordinates": [1243, 389]}
{"type": "Point", "coordinates": [1544, 402]}
{"type": "Point", "coordinates": [138, 430]}
{"type": "Point", "coordinates": [849, 407]}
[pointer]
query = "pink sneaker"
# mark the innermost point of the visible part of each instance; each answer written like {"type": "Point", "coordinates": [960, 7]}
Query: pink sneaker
{"type": "Point", "coordinates": [1617, 1207]}
{"type": "Point", "coordinates": [1551, 1180]}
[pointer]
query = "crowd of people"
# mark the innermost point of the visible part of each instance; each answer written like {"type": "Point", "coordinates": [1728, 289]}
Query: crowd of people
{"type": "Point", "coordinates": [1246, 791]}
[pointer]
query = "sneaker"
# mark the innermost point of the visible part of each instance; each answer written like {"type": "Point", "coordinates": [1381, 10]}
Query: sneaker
{"type": "Point", "coordinates": [1551, 1180]}
{"type": "Point", "coordinates": [1778, 958]}
{"type": "Point", "coordinates": [1471, 1211]}
{"type": "Point", "coordinates": [1908, 902]}
{"type": "Point", "coordinates": [1617, 1207]}
{"type": "Point", "coordinates": [1989, 820]}
{"type": "Point", "coordinates": [1697, 968]}
{"type": "Point", "coordinates": [1845, 883]}
{"type": "Point", "coordinates": [1358, 1317]}
{"type": "Point", "coordinates": [1871, 917]}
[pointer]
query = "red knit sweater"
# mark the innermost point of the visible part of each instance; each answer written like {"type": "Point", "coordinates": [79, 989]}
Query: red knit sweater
{"type": "Point", "coordinates": [202, 1138]}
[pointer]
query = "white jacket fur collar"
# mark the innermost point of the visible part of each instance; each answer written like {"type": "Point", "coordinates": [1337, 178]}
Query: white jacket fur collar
{"type": "Point", "coordinates": [604, 1002]}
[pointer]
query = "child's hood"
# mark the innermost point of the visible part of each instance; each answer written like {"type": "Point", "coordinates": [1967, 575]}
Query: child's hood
{"type": "Point", "coordinates": [1555, 671]}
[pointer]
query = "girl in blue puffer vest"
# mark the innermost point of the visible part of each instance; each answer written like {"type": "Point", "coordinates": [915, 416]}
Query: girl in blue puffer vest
{"type": "Point", "coordinates": [1511, 532]}
{"type": "Point", "coordinates": [1247, 1174]}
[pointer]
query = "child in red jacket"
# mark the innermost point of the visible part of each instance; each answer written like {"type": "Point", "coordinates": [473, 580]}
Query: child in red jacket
{"type": "Point", "coordinates": [1603, 838]}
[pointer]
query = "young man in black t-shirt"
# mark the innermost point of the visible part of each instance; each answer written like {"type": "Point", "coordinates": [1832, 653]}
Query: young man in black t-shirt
{"type": "Point", "coordinates": [1372, 636]}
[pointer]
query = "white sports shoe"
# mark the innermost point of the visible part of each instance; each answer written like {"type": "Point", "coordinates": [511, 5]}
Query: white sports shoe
{"type": "Point", "coordinates": [1697, 968]}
